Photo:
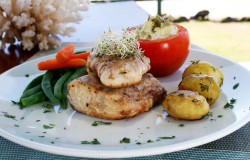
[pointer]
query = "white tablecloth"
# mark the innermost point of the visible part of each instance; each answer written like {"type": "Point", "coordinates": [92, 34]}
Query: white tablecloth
{"type": "Point", "coordinates": [102, 16]}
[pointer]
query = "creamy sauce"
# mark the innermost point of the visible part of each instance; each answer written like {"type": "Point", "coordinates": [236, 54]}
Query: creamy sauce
{"type": "Point", "coordinates": [156, 28]}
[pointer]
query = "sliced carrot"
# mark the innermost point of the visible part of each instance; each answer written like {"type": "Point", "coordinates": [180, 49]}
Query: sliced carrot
{"type": "Point", "coordinates": [72, 63]}
{"type": "Point", "coordinates": [53, 64]}
{"type": "Point", "coordinates": [83, 55]}
{"type": "Point", "coordinates": [48, 65]}
{"type": "Point", "coordinates": [64, 54]}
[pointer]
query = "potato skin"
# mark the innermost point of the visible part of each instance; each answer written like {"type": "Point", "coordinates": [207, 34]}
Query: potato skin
{"type": "Point", "coordinates": [202, 67]}
{"type": "Point", "coordinates": [203, 84]}
{"type": "Point", "coordinates": [186, 105]}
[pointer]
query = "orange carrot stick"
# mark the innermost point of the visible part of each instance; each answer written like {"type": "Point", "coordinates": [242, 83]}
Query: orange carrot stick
{"type": "Point", "coordinates": [48, 65]}
{"type": "Point", "coordinates": [53, 64]}
{"type": "Point", "coordinates": [73, 63]}
{"type": "Point", "coordinates": [64, 54]}
{"type": "Point", "coordinates": [83, 55]}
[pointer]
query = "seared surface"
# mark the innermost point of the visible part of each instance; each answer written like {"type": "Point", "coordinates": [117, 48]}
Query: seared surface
{"type": "Point", "coordinates": [89, 96]}
{"type": "Point", "coordinates": [115, 72]}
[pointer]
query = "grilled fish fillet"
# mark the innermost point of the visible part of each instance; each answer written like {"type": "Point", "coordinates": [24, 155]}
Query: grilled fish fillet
{"type": "Point", "coordinates": [89, 96]}
{"type": "Point", "coordinates": [115, 72]}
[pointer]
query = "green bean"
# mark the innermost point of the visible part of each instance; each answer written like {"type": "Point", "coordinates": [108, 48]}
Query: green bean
{"type": "Point", "coordinates": [60, 72]}
{"type": "Point", "coordinates": [64, 70]}
{"type": "Point", "coordinates": [78, 52]}
{"type": "Point", "coordinates": [34, 82]}
{"type": "Point", "coordinates": [47, 87]}
{"type": "Point", "coordinates": [35, 98]}
{"type": "Point", "coordinates": [53, 81]}
{"type": "Point", "coordinates": [78, 73]}
{"type": "Point", "coordinates": [31, 91]}
{"type": "Point", "coordinates": [59, 84]}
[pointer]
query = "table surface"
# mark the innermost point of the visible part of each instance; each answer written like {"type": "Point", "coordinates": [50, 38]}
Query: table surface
{"type": "Point", "coordinates": [98, 18]}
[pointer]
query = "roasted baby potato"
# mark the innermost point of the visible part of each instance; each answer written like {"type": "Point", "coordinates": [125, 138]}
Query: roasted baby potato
{"type": "Point", "coordinates": [203, 84]}
{"type": "Point", "coordinates": [186, 105]}
{"type": "Point", "coordinates": [202, 67]}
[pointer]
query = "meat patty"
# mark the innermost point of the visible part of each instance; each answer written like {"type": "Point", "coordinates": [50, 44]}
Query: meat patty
{"type": "Point", "coordinates": [89, 96]}
{"type": "Point", "coordinates": [115, 72]}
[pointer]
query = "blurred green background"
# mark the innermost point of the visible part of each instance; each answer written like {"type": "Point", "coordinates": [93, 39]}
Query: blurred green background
{"type": "Point", "coordinates": [231, 40]}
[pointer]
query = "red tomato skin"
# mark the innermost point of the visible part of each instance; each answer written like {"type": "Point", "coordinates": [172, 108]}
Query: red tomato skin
{"type": "Point", "coordinates": [167, 55]}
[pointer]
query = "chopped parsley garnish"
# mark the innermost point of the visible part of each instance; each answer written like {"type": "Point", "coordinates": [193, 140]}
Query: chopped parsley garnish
{"type": "Point", "coordinates": [22, 118]}
{"type": "Point", "coordinates": [138, 143]}
{"type": "Point", "coordinates": [124, 72]}
{"type": "Point", "coordinates": [48, 106]}
{"type": "Point", "coordinates": [181, 95]}
{"type": "Point", "coordinates": [125, 140]}
{"type": "Point", "coordinates": [204, 87]}
{"type": "Point", "coordinates": [209, 99]}
{"type": "Point", "coordinates": [9, 115]}
{"type": "Point", "coordinates": [96, 123]}
{"type": "Point", "coordinates": [195, 61]}
{"type": "Point", "coordinates": [195, 100]}
{"type": "Point", "coordinates": [236, 86]}
{"type": "Point", "coordinates": [41, 136]}
{"type": "Point", "coordinates": [181, 125]}
{"type": "Point", "coordinates": [228, 105]}
{"type": "Point", "coordinates": [38, 120]}
{"type": "Point", "coordinates": [213, 68]}
{"type": "Point", "coordinates": [50, 126]}
{"type": "Point", "coordinates": [52, 142]}
{"type": "Point", "coordinates": [16, 125]}
{"type": "Point", "coordinates": [210, 114]}
{"type": "Point", "coordinates": [233, 101]}
{"type": "Point", "coordinates": [150, 141]}
{"type": "Point", "coordinates": [16, 103]}
{"type": "Point", "coordinates": [27, 75]}
{"type": "Point", "coordinates": [231, 104]}
{"type": "Point", "coordinates": [219, 116]}
{"type": "Point", "coordinates": [172, 137]}
{"type": "Point", "coordinates": [94, 142]}
{"type": "Point", "coordinates": [234, 77]}
{"type": "Point", "coordinates": [47, 111]}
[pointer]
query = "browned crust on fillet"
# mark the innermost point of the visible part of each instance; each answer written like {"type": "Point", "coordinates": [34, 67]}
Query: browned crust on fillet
{"type": "Point", "coordinates": [89, 96]}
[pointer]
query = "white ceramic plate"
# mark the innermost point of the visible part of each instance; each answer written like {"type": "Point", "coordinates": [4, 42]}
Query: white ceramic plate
{"type": "Point", "coordinates": [71, 128]}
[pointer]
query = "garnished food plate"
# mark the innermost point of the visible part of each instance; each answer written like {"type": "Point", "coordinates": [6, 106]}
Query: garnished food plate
{"type": "Point", "coordinates": [67, 132]}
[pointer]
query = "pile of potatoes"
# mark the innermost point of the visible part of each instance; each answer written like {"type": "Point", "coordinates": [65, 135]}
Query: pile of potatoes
{"type": "Point", "coordinates": [199, 88]}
